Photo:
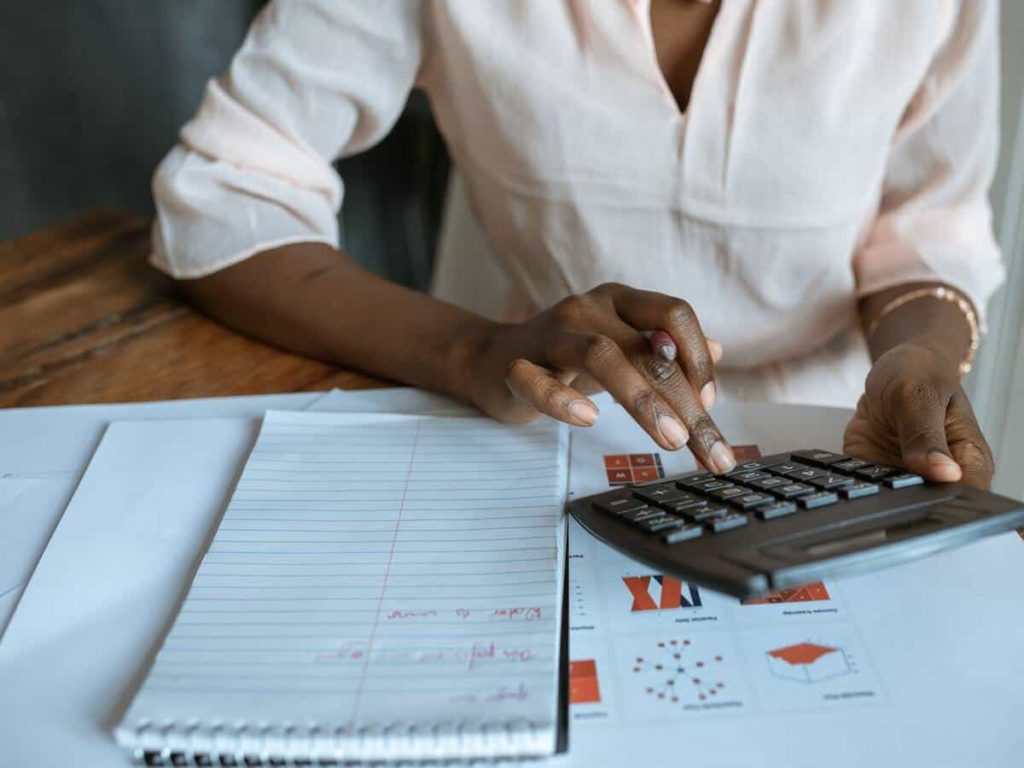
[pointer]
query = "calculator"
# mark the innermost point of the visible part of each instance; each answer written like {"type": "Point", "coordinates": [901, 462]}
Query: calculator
{"type": "Point", "coordinates": [790, 519]}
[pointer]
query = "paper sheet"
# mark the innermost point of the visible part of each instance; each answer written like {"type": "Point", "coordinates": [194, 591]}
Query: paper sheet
{"type": "Point", "coordinates": [108, 585]}
{"type": "Point", "coordinates": [371, 571]}
{"type": "Point", "coordinates": [943, 636]}
{"type": "Point", "coordinates": [915, 665]}
{"type": "Point", "coordinates": [391, 400]}
{"type": "Point", "coordinates": [44, 452]}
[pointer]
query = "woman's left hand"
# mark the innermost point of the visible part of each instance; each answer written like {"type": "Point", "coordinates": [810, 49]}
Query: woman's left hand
{"type": "Point", "coordinates": [915, 414]}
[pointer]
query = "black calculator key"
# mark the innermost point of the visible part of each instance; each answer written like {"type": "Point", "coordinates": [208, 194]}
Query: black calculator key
{"type": "Point", "coordinates": [659, 524]}
{"type": "Point", "coordinates": [778, 509]}
{"type": "Point", "coordinates": [786, 468]}
{"type": "Point", "coordinates": [875, 471]}
{"type": "Point", "coordinates": [806, 475]}
{"type": "Point", "coordinates": [815, 500]}
{"type": "Point", "coordinates": [682, 533]}
{"type": "Point", "coordinates": [620, 503]}
{"type": "Point", "coordinates": [691, 481]}
{"type": "Point", "coordinates": [904, 481]}
{"type": "Point", "coordinates": [850, 465]}
{"type": "Point", "coordinates": [679, 506]}
{"type": "Point", "coordinates": [757, 464]}
{"type": "Point", "coordinates": [749, 476]}
{"type": "Point", "coordinates": [724, 494]}
{"type": "Point", "coordinates": [751, 500]}
{"type": "Point", "coordinates": [639, 515]}
{"type": "Point", "coordinates": [769, 482]}
{"type": "Point", "coordinates": [830, 481]}
{"type": "Point", "coordinates": [707, 514]}
{"type": "Point", "coordinates": [857, 490]}
{"type": "Point", "coordinates": [711, 486]}
{"type": "Point", "coordinates": [726, 522]}
{"type": "Point", "coordinates": [819, 458]}
{"type": "Point", "coordinates": [791, 490]}
{"type": "Point", "coordinates": [655, 494]}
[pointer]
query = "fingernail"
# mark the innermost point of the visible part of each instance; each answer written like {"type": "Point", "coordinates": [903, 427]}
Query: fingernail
{"type": "Point", "coordinates": [715, 349]}
{"type": "Point", "coordinates": [944, 465]}
{"type": "Point", "coordinates": [722, 458]}
{"type": "Point", "coordinates": [707, 395]}
{"type": "Point", "coordinates": [667, 352]}
{"type": "Point", "coordinates": [583, 411]}
{"type": "Point", "coordinates": [663, 345]}
{"type": "Point", "coordinates": [675, 434]}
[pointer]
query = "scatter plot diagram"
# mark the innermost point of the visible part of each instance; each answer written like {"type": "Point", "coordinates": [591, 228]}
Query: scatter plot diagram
{"type": "Point", "coordinates": [675, 673]}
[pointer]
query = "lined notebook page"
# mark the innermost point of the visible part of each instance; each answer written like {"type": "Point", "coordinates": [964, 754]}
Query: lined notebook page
{"type": "Point", "coordinates": [375, 572]}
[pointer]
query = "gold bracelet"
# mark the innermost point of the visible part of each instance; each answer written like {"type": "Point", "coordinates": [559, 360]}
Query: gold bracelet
{"type": "Point", "coordinates": [942, 293]}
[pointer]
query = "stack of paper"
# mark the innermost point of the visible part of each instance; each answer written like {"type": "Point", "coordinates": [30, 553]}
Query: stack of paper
{"type": "Point", "coordinates": [911, 666]}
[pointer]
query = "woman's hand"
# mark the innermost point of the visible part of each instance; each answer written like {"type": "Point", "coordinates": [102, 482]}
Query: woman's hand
{"type": "Point", "coordinates": [914, 413]}
{"type": "Point", "coordinates": [596, 341]}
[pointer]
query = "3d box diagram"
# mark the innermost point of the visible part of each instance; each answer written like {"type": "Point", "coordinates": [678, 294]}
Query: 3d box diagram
{"type": "Point", "coordinates": [808, 662]}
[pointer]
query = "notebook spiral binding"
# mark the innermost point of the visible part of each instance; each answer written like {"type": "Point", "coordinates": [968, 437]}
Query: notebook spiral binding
{"type": "Point", "coordinates": [174, 744]}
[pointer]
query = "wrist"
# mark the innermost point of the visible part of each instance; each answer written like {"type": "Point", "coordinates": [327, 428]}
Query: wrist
{"type": "Point", "coordinates": [932, 317]}
{"type": "Point", "coordinates": [947, 355]}
{"type": "Point", "coordinates": [462, 356]}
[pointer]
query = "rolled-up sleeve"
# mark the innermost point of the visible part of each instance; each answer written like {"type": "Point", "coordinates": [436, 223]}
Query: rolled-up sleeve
{"type": "Point", "coordinates": [315, 80]}
{"type": "Point", "coordinates": [934, 222]}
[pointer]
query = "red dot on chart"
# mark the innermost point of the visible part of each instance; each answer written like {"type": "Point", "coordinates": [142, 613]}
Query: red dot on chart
{"type": "Point", "coordinates": [702, 697]}
{"type": "Point", "coordinates": [675, 699]}
{"type": "Point", "coordinates": [670, 682]}
{"type": "Point", "coordinates": [639, 659]}
{"type": "Point", "coordinates": [636, 669]}
{"type": "Point", "coordinates": [661, 695]}
{"type": "Point", "coordinates": [650, 690]}
{"type": "Point", "coordinates": [696, 681]}
{"type": "Point", "coordinates": [686, 642]}
{"type": "Point", "coordinates": [676, 656]}
{"type": "Point", "coordinates": [718, 658]}
{"type": "Point", "coordinates": [712, 691]}
{"type": "Point", "coordinates": [673, 642]}
{"type": "Point", "coordinates": [661, 645]}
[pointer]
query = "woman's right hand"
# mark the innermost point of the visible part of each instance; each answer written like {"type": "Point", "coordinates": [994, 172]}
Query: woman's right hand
{"type": "Point", "coordinates": [596, 341]}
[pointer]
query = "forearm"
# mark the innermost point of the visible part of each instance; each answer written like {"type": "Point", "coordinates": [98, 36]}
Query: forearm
{"type": "Point", "coordinates": [941, 325]}
{"type": "Point", "coordinates": [313, 299]}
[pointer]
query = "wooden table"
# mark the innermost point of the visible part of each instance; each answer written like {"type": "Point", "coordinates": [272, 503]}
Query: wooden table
{"type": "Point", "coordinates": [85, 319]}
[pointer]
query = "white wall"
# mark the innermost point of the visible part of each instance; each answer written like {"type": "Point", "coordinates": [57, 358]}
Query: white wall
{"type": "Point", "coordinates": [997, 385]}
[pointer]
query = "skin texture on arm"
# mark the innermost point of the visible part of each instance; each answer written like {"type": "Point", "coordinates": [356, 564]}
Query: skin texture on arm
{"type": "Point", "coordinates": [314, 299]}
{"type": "Point", "coordinates": [914, 411]}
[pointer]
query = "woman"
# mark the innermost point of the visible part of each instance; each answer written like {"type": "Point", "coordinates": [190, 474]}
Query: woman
{"type": "Point", "coordinates": [803, 180]}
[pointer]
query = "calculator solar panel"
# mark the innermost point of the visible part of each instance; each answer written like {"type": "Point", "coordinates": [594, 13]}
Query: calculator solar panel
{"type": "Point", "coordinates": [786, 520]}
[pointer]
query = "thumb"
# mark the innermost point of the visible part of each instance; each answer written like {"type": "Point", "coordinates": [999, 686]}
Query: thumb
{"type": "Point", "coordinates": [921, 424]}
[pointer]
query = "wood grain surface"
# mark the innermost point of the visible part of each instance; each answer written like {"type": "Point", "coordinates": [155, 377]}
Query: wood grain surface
{"type": "Point", "coordinates": [85, 319]}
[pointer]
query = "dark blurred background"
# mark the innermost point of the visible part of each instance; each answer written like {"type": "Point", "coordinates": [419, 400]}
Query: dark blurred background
{"type": "Point", "coordinates": [93, 92]}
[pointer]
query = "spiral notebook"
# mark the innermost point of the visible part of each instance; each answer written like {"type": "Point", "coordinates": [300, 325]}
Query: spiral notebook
{"type": "Point", "coordinates": [380, 587]}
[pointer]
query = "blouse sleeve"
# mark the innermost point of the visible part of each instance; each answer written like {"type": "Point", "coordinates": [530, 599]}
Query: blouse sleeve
{"type": "Point", "coordinates": [934, 222]}
{"type": "Point", "coordinates": [315, 80]}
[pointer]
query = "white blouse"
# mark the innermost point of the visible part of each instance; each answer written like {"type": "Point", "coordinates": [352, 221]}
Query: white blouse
{"type": "Point", "coordinates": [831, 148]}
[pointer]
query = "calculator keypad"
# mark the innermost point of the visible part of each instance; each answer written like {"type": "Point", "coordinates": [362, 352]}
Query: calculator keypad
{"type": "Point", "coordinates": [702, 503]}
